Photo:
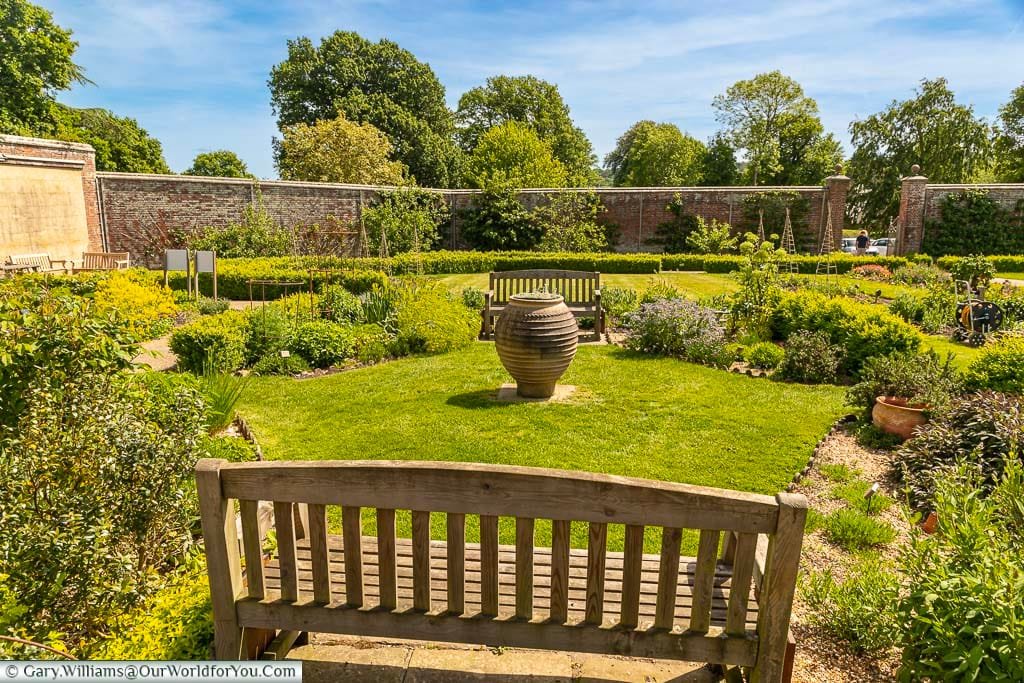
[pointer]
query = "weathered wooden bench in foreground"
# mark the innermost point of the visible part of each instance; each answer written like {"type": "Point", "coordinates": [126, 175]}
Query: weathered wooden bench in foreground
{"type": "Point", "coordinates": [580, 289]}
{"type": "Point", "coordinates": [729, 605]}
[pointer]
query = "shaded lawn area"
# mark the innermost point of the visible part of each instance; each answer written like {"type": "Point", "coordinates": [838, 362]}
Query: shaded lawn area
{"type": "Point", "coordinates": [632, 415]}
{"type": "Point", "coordinates": [693, 285]}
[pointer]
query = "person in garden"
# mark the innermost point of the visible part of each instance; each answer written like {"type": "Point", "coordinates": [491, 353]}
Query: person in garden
{"type": "Point", "coordinates": [862, 242]}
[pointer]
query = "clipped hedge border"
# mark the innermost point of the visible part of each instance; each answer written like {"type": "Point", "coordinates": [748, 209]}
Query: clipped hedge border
{"type": "Point", "coordinates": [233, 277]}
{"type": "Point", "coordinates": [807, 264]}
{"type": "Point", "coordinates": [1003, 264]}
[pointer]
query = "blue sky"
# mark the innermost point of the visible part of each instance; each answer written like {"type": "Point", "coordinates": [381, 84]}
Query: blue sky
{"type": "Point", "coordinates": [194, 73]}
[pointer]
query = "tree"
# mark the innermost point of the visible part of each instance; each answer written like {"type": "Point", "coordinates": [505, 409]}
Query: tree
{"type": "Point", "coordinates": [35, 64]}
{"type": "Point", "coordinates": [930, 129]}
{"type": "Point", "coordinates": [777, 126]}
{"type": "Point", "coordinates": [337, 151]}
{"type": "Point", "coordinates": [376, 83]}
{"type": "Point", "coordinates": [534, 103]}
{"type": "Point", "coordinates": [653, 154]}
{"type": "Point", "coordinates": [120, 143]}
{"type": "Point", "coordinates": [1010, 139]}
{"type": "Point", "coordinates": [220, 163]}
{"type": "Point", "coordinates": [511, 154]}
{"type": "Point", "coordinates": [718, 168]}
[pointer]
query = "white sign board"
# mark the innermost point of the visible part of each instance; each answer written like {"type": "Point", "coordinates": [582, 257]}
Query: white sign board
{"type": "Point", "coordinates": [176, 259]}
{"type": "Point", "coordinates": [205, 261]}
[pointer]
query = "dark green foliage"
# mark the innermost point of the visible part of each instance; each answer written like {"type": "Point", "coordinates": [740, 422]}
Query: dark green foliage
{"type": "Point", "coordinates": [860, 609]}
{"type": "Point", "coordinates": [765, 355]}
{"type": "Point", "coordinates": [497, 220]}
{"type": "Point", "coordinates": [672, 235]}
{"type": "Point", "coordinates": [220, 163]}
{"type": "Point", "coordinates": [121, 144]}
{"type": "Point", "coordinates": [340, 305]}
{"type": "Point", "coordinates": [323, 343]}
{"type": "Point", "coordinates": [810, 358]}
{"type": "Point", "coordinates": [999, 366]}
{"type": "Point", "coordinates": [981, 429]}
{"type": "Point", "coordinates": [853, 530]}
{"type": "Point", "coordinates": [773, 204]}
{"type": "Point", "coordinates": [412, 220]}
{"type": "Point", "coordinates": [973, 268]}
{"type": "Point", "coordinates": [268, 330]}
{"type": "Point", "coordinates": [257, 234]}
{"type": "Point", "coordinates": [276, 364]}
{"type": "Point", "coordinates": [972, 222]}
{"type": "Point", "coordinates": [719, 167]}
{"type": "Point", "coordinates": [922, 378]}
{"type": "Point", "coordinates": [216, 342]}
{"type": "Point", "coordinates": [570, 223]}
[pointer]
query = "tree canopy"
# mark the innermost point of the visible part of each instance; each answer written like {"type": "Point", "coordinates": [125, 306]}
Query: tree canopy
{"type": "Point", "coordinates": [35, 64]}
{"type": "Point", "coordinates": [511, 154]}
{"type": "Point", "coordinates": [220, 163]}
{"type": "Point", "coordinates": [653, 154]}
{"type": "Point", "coordinates": [376, 83]}
{"type": "Point", "coordinates": [777, 126]}
{"type": "Point", "coordinates": [337, 151]}
{"type": "Point", "coordinates": [120, 143]}
{"type": "Point", "coordinates": [1010, 139]}
{"type": "Point", "coordinates": [931, 129]}
{"type": "Point", "coordinates": [719, 168]}
{"type": "Point", "coordinates": [534, 103]}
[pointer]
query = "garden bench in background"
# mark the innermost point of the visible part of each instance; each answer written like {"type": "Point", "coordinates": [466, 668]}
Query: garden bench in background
{"type": "Point", "coordinates": [580, 289]}
{"type": "Point", "coordinates": [103, 260]}
{"type": "Point", "coordinates": [40, 263]}
{"type": "Point", "coordinates": [728, 606]}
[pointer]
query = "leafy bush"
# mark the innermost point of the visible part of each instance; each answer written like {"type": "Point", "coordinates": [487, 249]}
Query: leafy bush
{"type": "Point", "coordinates": [429, 319]}
{"type": "Point", "coordinates": [971, 222]}
{"type": "Point", "coordinates": [473, 297]}
{"type": "Point", "coordinates": [268, 330]}
{"type": "Point", "coordinates": [909, 306]}
{"type": "Point", "coordinates": [410, 217]}
{"type": "Point", "coordinates": [919, 274]}
{"type": "Point", "coordinates": [659, 289]}
{"type": "Point", "coordinates": [975, 269]}
{"type": "Point", "coordinates": [340, 305]}
{"type": "Point", "coordinates": [216, 343]}
{"type": "Point", "coordinates": [569, 222]}
{"type": "Point", "coordinates": [672, 235]}
{"type": "Point", "coordinates": [323, 343]}
{"type": "Point", "coordinates": [759, 294]}
{"type": "Point", "coordinates": [233, 275]}
{"type": "Point", "coordinates": [210, 306]}
{"type": "Point", "coordinates": [982, 429]}
{"type": "Point", "coordinates": [962, 616]}
{"type": "Point", "coordinates": [97, 496]}
{"type": "Point", "coordinates": [379, 307]}
{"type": "Point", "coordinates": [860, 330]}
{"type": "Point", "coordinates": [712, 237]}
{"type": "Point", "coordinates": [872, 271]}
{"type": "Point", "coordinates": [921, 378]}
{"type": "Point", "coordinates": [680, 328]}
{"type": "Point", "coordinates": [853, 530]}
{"type": "Point", "coordinates": [999, 366]}
{"type": "Point", "coordinates": [810, 358]}
{"type": "Point", "coordinates": [276, 364]}
{"type": "Point", "coordinates": [497, 220]}
{"type": "Point", "coordinates": [617, 302]}
{"type": "Point", "coordinates": [371, 343]}
{"type": "Point", "coordinates": [1010, 299]}
{"type": "Point", "coordinates": [765, 355]}
{"type": "Point", "coordinates": [145, 308]}
{"type": "Point", "coordinates": [257, 234]}
{"type": "Point", "coordinates": [861, 609]}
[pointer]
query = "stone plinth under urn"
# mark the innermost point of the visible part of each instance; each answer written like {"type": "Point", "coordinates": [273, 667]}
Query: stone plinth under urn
{"type": "Point", "coordinates": [536, 338]}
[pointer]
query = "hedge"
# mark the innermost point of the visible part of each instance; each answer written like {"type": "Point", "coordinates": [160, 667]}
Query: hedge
{"type": "Point", "coordinates": [808, 264]}
{"type": "Point", "coordinates": [1003, 264]}
{"type": "Point", "coordinates": [233, 277]}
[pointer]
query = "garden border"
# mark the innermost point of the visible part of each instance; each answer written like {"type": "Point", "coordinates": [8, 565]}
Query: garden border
{"type": "Point", "coordinates": [839, 424]}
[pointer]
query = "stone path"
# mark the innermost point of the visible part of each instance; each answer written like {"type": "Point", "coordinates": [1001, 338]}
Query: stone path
{"type": "Point", "coordinates": [157, 355]}
{"type": "Point", "coordinates": [331, 659]}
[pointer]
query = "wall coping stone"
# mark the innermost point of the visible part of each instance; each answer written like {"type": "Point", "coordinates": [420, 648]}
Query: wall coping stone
{"type": "Point", "coordinates": [48, 144]}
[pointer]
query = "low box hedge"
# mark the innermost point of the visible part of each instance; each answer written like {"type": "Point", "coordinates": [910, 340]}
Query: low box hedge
{"type": "Point", "coordinates": [1003, 264]}
{"type": "Point", "coordinates": [727, 263]}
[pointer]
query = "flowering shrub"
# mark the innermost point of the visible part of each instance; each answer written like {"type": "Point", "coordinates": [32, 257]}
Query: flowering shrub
{"type": "Point", "coordinates": [872, 271]}
{"type": "Point", "coordinates": [810, 358]}
{"type": "Point", "coordinates": [680, 328]}
{"type": "Point", "coordinates": [145, 308]}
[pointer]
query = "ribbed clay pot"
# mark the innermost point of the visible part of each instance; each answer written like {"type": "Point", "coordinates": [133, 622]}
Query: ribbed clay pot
{"type": "Point", "coordinates": [536, 337]}
{"type": "Point", "coordinates": [892, 415]}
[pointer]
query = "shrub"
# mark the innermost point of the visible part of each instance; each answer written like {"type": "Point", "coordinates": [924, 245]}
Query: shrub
{"type": "Point", "coordinates": [810, 358]}
{"type": "Point", "coordinates": [853, 530]}
{"type": "Point", "coordinates": [569, 222]}
{"type": "Point", "coordinates": [765, 355]}
{"type": "Point", "coordinates": [672, 235]}
{"type": "Point", "coordinates": [473, 297]}
{"type": "Point", "coordinates": [339, 305]}
{"type": "Point", "coordinates": [268, 330]}
{"type": "Point", "coordinates": [210, 306]}
{"type": "Point", "coordinates": [276, 364]}
{"type": "Point", "coordinates": [496, 220]}
{"type": "Point", "coordinates": [680, 328]}
{"type": "Point", "coordinates": [370, 343]}
{"type": "Point", "coordinates": [872, 271]}
{"type": "Point", "coordinates": [410, 217]}
{"type": "Point", "coordinates": [975, 269]}
{"type": "Point", "coordinates": [999, 366]}
{"type": "Point", "coordinates": [1010, 299]}
{"type": "Point", "coordinates": [216, 343]}
{"type": "Point", "coordinates": [429, 319]}
{"type": "Point", "coordinates": [323, 343]}
{"type": "Point", "coordinates": [861, 609]}
{"type": "Point", "coordinates": [962, 616]}
{"type": "Point", "coordinates": [256, 234]}
{"type": "Point", "coordinates": [659, 289]}
{"type": "Point", "coordinates": [982, 429]}
{"type": "Point", "coordinates": [711, 238]}
{"type": "Point", "coordinates": [617, 302]}
{"type": "Point", "coordinates": [759, 294]}
{"type": "Point", "coordinates": [909, 306]}
{"type": "Point", "coordinates": [919, 274]}
{"type": "Point", "coordinates": [921, 378]}
{"type": "Point", "coordinates": [860, 330]}
{"type": "Point", "coordinates": [145, 308]}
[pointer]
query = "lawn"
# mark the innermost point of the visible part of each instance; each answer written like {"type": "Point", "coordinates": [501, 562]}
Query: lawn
{"type": "Point", "coordinates": [632, 415]}
{"type": "Point", "coordinates": [941, 344]}
{"type": "Point", "coordinates": [1012, 276]}
{"type": "Point", "coordinates": [694, 285]}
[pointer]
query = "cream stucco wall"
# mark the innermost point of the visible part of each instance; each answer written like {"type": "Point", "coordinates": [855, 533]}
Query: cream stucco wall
{"type": "Point", "coordinates": [42, 209]}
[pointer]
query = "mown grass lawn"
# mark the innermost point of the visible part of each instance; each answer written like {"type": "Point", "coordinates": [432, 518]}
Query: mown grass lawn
{"type": "Point", "coordinates": [1011, 276]}
{"type": "Point", "coordinates": [941, 344]}
{"type": "Point", "coordinates": [632, 415]}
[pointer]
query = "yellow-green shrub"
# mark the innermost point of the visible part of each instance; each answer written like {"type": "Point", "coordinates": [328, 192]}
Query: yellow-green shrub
{"type": "Point", "coordinates": [143, 306]}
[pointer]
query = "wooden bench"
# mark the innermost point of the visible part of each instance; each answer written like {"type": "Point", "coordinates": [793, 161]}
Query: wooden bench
{"type": "Point", "coordinates": [104, 260]}
{"type": "Point", "coordinates": [41, 263]}
{"type": "Point", "coordinates": [580, 289]}
{"type": "Point", "coordinates": [729, 605]}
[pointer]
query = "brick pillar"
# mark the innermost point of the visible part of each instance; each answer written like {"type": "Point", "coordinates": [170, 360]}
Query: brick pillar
{"type": "Point", "coordinates": [910, 224]}
{"type": "Point", "coordinates": [836, 188]}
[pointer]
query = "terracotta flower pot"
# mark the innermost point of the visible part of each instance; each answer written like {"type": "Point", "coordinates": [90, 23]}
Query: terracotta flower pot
{"type": "Point", "coordinates": [894, 416]}
{"type": "Point", "coordinates": [536, 338]}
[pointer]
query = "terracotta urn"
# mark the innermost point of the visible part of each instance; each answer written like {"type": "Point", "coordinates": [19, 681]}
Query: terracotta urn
{"type": "Point", "coordinates": [536, 338]}
{"type": "Point", "coordinates": [894, 416]}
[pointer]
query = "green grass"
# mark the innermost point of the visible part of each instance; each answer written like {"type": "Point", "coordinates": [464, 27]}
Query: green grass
{"type": "Point", "coordinates": [868, 287]}
{"type": "Point", "coordinates": [853, 530]}
{"type": "Point", "coordinates": [632, 415]}
{"type": "Point", "coordinates": [942, 345]}
{"type": "Point", "coordinates": [1011, 276]}
{"type": "Point", "coordinates": [694, 285]}
{"type": "Point", "coordinates": [853, 493]}
{"type": "Point", "coordinates": [838, 472]}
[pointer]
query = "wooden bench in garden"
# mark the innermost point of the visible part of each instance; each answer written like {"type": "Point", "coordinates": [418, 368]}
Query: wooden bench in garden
{"type": "Point", "coordinates": [729, 605]}
{"type": "Point", "coordinates": [580, 289]}
{"type": "Point", "coordinates": [40, 263]}
{"type": "Point", "coordinates": [104, 260]}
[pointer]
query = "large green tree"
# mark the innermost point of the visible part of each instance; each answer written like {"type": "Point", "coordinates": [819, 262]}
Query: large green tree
{"type": "Point", "coordinates": [534, 103]}
{"type": "Point", "coordinates": [777, 126]}
{"type": "Point", "coordinates": [653, 154]}
{"type": "Point", "coordinates": [1010, 139]}
{"type": "Point", "coordinates": [35, 64]}
{"type": "Point", "coordinates": [719, 167]}
{"type": "Point", "coordinates": [337, 151]}
{"type": "Point", "coordinates": [377, 83]}
{"type": "Point", "coordinates": [931, 129]}
{"type": "Point", "coordinates": [220, 163]}
{"type": "Point", "coordinates": [120, 143]}
{"type": "Point", "coordinates": [512, 155]}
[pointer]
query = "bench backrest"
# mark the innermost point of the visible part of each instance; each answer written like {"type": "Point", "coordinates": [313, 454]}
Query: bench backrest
{"type": "Point", "coordinates": [104, 260]}
{"type": "Point", "coordinates": [575, 286]}
{"type": "Point", "coordinates": [39, 261]}
{"type": "Point", "coordinates": [760, 535]}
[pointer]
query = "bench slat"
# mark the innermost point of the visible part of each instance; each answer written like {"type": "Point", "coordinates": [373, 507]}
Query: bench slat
{"type": "Point", "coordinates": [632, 567]}
{"type": "Point", "coordinates": [560, 532]}
{"type": "Point", "coordinates": [456, 534]}
{"type": "Point", "coordinates": [489, 565]}
{"type": "Point", "coordinates": [284, 523]}
{"type": "Point", "coordinates": [252, 546]}
{"type": "Point", "coordinates": [421, 560]}
{"type": "Point", "coordinates": [596, 553]}
{"type": "Point", "coordinates": [704, 580]}
{"type": "Point", "coordinates": [352, 531]}
{"type": "Point", "coordinates": [742, 573]}
{"type": "Point", "coordinates": [524, 568]}
{"type": "Point", "coordinates": [386, 555]}
{"type": "Point", "coordinates": [319, 552]}
{"type": "Point", "coordinates": [668, 577]}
